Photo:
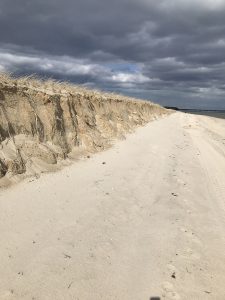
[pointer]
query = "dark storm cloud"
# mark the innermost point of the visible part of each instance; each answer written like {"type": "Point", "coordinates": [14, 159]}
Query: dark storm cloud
{"type": "Point", "coordinates": [172, 51]}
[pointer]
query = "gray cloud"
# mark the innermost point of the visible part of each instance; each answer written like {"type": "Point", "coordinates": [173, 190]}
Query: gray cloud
{"type": "Point", "coordinates": [172, 51]}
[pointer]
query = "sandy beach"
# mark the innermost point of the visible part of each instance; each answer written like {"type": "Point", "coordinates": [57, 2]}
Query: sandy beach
{"type": "Point", "coordinates": [143, 219]}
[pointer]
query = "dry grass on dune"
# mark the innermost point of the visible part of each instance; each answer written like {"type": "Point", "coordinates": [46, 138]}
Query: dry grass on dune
{"type": "Point", "coordinates": [52, 86]}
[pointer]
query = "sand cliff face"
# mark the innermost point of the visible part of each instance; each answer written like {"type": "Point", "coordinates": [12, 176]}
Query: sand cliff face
{"type": "Point", "coordinates": [42, 123]}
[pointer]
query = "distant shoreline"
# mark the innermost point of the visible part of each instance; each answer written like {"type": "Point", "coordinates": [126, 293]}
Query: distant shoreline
{"type": "Point", "coordinates": [204, 110]}
{"type": "Point", "coordinates": [195, 109]}
{"type": "Point", "coordinates": [216, 113]}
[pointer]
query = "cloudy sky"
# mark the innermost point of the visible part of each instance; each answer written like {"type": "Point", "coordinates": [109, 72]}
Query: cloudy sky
{"type": "Point", "coordinates": [170, 51]}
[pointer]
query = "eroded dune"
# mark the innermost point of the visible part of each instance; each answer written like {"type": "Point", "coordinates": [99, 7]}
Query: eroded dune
{"type": "Point", "coordinates": [44, 122]}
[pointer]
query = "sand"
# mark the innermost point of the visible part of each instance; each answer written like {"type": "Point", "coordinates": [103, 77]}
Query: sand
{"type": "Point", "coordinates": [143, 219]}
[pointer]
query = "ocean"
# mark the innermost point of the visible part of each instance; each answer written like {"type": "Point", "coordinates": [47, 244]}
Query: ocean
{"type": "Point", "coordinates": [211, 113]}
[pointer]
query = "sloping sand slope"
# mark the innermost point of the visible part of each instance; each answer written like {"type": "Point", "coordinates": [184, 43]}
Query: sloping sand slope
{"type": "Point", "coordinates": [42, 123]}
{"type": "Point", "coordinates": [145, 218]}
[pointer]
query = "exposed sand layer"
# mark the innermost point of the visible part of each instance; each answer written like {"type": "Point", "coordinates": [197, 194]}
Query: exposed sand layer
{"type": "Point", "coordinates": [42, 123]}
{"type": "Point", "coordinates": [144, 218]}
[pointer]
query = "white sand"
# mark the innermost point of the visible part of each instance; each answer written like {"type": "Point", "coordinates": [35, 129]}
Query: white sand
{"type": "Point", "coordinates": [149, 222]}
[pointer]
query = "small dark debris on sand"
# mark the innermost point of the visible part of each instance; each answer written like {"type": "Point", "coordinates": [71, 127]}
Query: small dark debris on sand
{"type": "Point", "coordinates": [173, 275]}
{"type": "Point", "coordinates": [66, 255]}
{"type": "Point", "coordinates": [69, 286]}
{"type": "Point", "coordinates": [174, 194]}
{"type": "Point", "coordinates": [20, 273]}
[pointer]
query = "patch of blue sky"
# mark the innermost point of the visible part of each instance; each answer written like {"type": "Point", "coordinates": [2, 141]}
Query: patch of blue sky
{"type": "Point", "coordinates": [123, 67]}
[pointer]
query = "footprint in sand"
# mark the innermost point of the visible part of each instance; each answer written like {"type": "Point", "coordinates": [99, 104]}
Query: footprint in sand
{"type": "Point", "coordinates": [191, 235]}
{"type": "Point", "coordinates": [180, 181]}
{"type": "Point", "coordinates": [169, 292]}
{"type": "Point", "coordinates": [7, 294]}
{"type": "Point", "coordinates": [172, 269]}
{"type": "Point", "coordinates": [190, 254]}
